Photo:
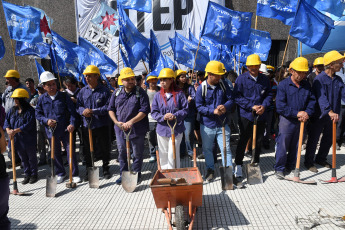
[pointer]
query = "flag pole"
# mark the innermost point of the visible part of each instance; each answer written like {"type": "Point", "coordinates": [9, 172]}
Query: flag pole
{"type": "Point", "coordinates": [174, 64]}
{"type": "Point", "coordinates": [14, 56]}
{"type": "Point", "coordinates": [57, 68]}
{"type": "Point", "coordinates": [145, 66]}
{"type": "Point", "coordinates": [281, 66]}
{"type": "Point", "coordinates": [196, 54]}
{"type": "Point", "coordinates": [256, 21]}
{"type": "Point", "coordinates": [300, 49]}
{"type": "Point", "coordinates": [118, 58]}
{"type": "Point", "coordinates": [239, 61]}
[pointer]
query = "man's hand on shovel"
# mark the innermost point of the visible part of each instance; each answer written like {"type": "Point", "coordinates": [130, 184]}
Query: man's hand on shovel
{"type": "Point", "coordinates": [70, 128]}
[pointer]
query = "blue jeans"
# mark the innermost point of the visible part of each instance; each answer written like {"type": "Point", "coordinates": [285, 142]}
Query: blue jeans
{"type": "Point", "coordinates": [208, 135]}
{"type": "Point", "coordinates": [189, 124]}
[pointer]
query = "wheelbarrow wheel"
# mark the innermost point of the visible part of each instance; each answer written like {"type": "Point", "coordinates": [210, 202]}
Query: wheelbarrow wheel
{"type": "Point", "coordinates": [179, 218]}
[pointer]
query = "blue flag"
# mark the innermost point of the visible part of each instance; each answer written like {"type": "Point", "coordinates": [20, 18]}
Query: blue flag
{"type": "Point", "coordinates": [192, 37]}
{"type": "Point", "coordinates": [97, 58]}
{"type": "Point", "coordinates": [45, 25]}
{"type": "Point", "coordinates": [283, 10]}
{"type": "Point", "coordinates": [155, 51]}
{"type": "Point", "coordinates": [123, 56]}
{"type": "Point", "coordinates": [40, 69]}
{"type": "Point", "coordinates": [226, 58]}
{"type": "Point", "coordinates": [2, 48]}
{"type": "Point", "coordinates": [40, 49]}
{"type": "Point", "coordinates": [134, 42]}
{"type": "Point", "coordinates": [310, 26]}
{"type": "Point", "coordinates": [170, 63]}
{"type": "Point", "coordinates": [23, 22]}
{"type": "Point", "coordinates": [259, 43]}
{"type": "Point", "coordinates": [139, 5]}
{"type": "Point", "coordinates": [213, 48]}
{"type": "Point", "coordinates": [107, 19]}
{"type": "Point", "coordinates": [225, 26]}
{"type": "Point", "coordinates": [335, 7]}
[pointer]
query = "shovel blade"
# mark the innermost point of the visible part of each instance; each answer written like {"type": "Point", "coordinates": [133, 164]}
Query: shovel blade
{"type": "Point", "coordinates": [93, 173]}
{"type": "Point", "coordinates": [129, 181]}
{"type": "Point", "coordinates": [254, 175]}
{"type": "Point", "coordinates": [226, 178]}
{"type": "Point", "coordinates": [51, 186]}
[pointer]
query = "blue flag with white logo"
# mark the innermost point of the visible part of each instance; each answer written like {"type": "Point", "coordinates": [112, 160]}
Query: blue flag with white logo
{"type": "Point", "coordinates": [40, 49]}
{"type": "Point", "coordinates": [170, 63]}
{"type": "Point", "coordinates": [225, 26]}
{"type": "Point", "coordinates": [259, 43]}
{"type": "Point", "coordinates": [2, 48]}
{"type": "Point", "coordinates": [123, 56]}
{"type": "Point", "coordinates": [192, 37]}
{"type": "Point", "coordinates": [139, 5]}
{"type": "Point", "coordinates": [107, 19]}
{"type": "Point", "coordinates": [40, 70]}
{"type": "Point", "coordinates": [213, 48]}
{"type": "Point", "coordinates": [23, 22]}
{"type": "Point", "coordinates": [283, 10]}
{"type": "Point", "coordinates": [226, 58]}
{"type": "Point", "coordinates": [335, 7]}
{"type": "Point", "coordinates": [134, 42]}
{"type": "Point", "coordinates": [310, 26]}
{"type": "Point", "coordinates": [155, 51]}
{"type": "Point", "coordinates": [97, 58]}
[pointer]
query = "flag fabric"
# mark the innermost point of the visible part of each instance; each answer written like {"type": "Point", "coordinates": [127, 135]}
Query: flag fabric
{"type": "Point", "coordinates": [225, 26]}
{"type": "Point", "coordinates": [310, 26]}
{"type": "Point", "coordinates": [45, 26]}
{"type": "Point", "coordinates": [139, 5]}
{"type": "Point", "coordinates": [40, 50]}
{"type": "Point", "coordinates": [226, 58]}
{"type": "Point", "coordinates": [192, 37]}
{"type": "Point", "coordinates": [134, 42]}
{"type": "Point", "coordinates": [40, 70]}
{"type": "Point", "coordinates": [23, 22]}
{"type": "Point", "coordinates": [170, 63]}
{"type": "Point", "coordinates": [334, 7]}
{"type": "Point", "coordinates": [283, 10]}
{"type": "Point", "coordinates": [96, 57]}
{"type": "Point", "coordinates": [259, 43]}
{"type": "Point", "coordinates": [123, 56]}
{"type": "Point", "coordinates": [2, 48]}
{"type": "Point", "coordinates": [155, 51]}
{"type": "Point", "coordinates": [213, 48]}
{"type": "Point", "coordinates": [107, 19]}
{"type": "Point", "coordinates": [172, 43]}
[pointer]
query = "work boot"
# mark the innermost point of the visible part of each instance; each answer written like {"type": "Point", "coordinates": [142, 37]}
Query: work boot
{"type": "Point", "coordinates": [33, 179]}
{"type": "Point", "coordinates": [248, 154]}
{"type": "Point", "coordinates": [324, 164]}
{"type": "Point", "coordinates": [139, 178]}
{"type": "Point", "coordinates": [26, 180]}
{"type": "Point", "coordinates": [238, 171]}
{"type": "Point", "coordinates": [118, 181]}
{"type": "Point", "coordinates": [209, 175]}
{"type": "Point", "coordinates": [106, 174]}
{"type": "Point", "coordinates": [86, 177]}
{"type": "Point", "coordinates": [201, 156]}
{"type": "Point", "coordinates": [313, 169]}
{"type": "Point", "coordinates": [279, 175]}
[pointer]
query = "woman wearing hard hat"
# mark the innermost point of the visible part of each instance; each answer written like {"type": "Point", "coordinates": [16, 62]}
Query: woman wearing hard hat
{"type": "Point", "coordinates": [169, 104]}
{"type": "Point", "coordinates": [20, 125]}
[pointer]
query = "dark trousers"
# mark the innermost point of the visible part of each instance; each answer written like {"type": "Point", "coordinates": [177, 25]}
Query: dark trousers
{"type": "Point", "coordinates": [29, 160]}
{"type": "Point", "coordinates": [44, 155]}
{"type": "Point", "coordinates": [152, 138]}
{"type": "Point", "coordinates": [246, 134]}
{"type": "Point", "coordinates": [5, 224]}
{"type": "Point", "coordinates": [341, 126]}
{"type": "Point", "coordinates": [316, 127]}
{"type": "Point", "coordinates": [101, 136]}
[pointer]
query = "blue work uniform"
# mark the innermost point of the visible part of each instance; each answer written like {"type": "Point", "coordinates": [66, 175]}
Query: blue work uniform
{"type": "Point", "coordinates": [328, 92]}
{"type": "Point", "coordinates": [290, 100]}
{"type": "Point", "coordinates": [5, 224]}
{"type": "Point", "coordinates": [62, 110]}
{"type": "Point", "coordinates": [126, 106]}
{"type": "Point", "coordinates": [25, 142]}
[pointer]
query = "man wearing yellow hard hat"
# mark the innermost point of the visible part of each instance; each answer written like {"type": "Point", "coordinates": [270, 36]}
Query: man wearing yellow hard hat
{"type": "Point", "coordinates": [128, 109]}
{"type": "Point", "coordinates": [329, 90]}
{"type": "Point", "coordinates": [92, 105]}
{"type": "Point", "coordinates": [295, 103]}
{"type": "Point", "coordinates": [253, 95]}
{"type": "Point", "coordinates": [318, 67]}
{"type": "Point", "coordinates": [213, 100]}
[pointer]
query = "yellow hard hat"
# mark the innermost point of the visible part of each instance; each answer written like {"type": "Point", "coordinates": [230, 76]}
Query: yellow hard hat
{"type": "Point", "coordinates": [151, 77]}
{"type": "Point", "coordinates": [180, 72]}
{"type": "Point", "coordinates": [223, 66]}
{"type": "Point", "coordinates": [332, 56]}
{"type": "Point", "coordinates": [253, 59]}
{"type": "Point", "coordinates": [126, 73]}
{"type": "Point", "coordinates": [300, 64]}
{"type": "Point", "coordinates": [270, 68]}
{"type": "Point", "coordinates": [18, 93]}
{"type": "Point", "coordinates": [92, 69]}
{"type": "Point", "coordinates": [214, 67]}
{"type": "Point", "coordinates": [318, 61]}
{"type": "Point", "coordinates": [12, 73]}
{"type": "Point", "coordinates": [166, 73]}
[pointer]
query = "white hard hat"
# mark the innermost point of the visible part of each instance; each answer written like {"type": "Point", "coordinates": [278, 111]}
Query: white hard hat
{"type": "Point", "coordinates": [263, 69]}
{"type": "Point", "coordinates": [47, 76]}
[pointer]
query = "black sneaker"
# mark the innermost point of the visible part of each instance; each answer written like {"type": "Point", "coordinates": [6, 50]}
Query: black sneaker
{"type": "Point", "coordinates": [324, 164]}
{"type": "Point", "coordinates": [210, 175]}
{"type": "Point", "coordinates": [139, 178]}
{"type": "Point", "coordinates": [33, 179]}
{"type": "Point", "coordinates": [118, 181]}
{"type": "Point", "coordinates": [106, 175]}
{"type": "Point", "coordinates": [41, 163]}
{"type": "Point", "coordinates": [279, 175]}
{"type": "Point", "coordinates": [248, 154]}
{"type": "Point", "coordinates": [26, 180]}
{"type": "Point", "coordinates": [86, 177]}
{"type": "Point", "coordinates": [201, 156]}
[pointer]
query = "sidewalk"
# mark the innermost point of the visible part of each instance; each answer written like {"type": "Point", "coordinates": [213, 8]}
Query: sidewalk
{"type": "Point", "coordinates": [272, 205]}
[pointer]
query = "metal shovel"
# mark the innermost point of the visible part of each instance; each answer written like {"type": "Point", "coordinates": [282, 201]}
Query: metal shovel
{"type": "Point", "coordinates": [52, 180]}
{"type": "Point", "coordinates": [296, 173]}
{"type": "Point", "coordinates": [129, 178]}
{"type": "Point", "coordinates": [254, 175]}
{"type": "Point", "coordinates": [93, 172]}
{"type": "Point", "coordinates": [225, 171]}
{"type": "Point", "coordinates": [71, 184]}
{"type": "Point", "coordinates": [172, 128]}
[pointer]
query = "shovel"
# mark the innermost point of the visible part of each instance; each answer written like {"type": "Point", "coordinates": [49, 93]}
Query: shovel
{"type": "Point", "coordinates": [52, 180]}
{"type": "Point", "coordinates": [71, 184]}
{"type": "Point", "coordinates": [172, 128]}
{"type": "Point", "coordinates": [296, 173]}
{"type": "Point", "coordinates": [129, 178]}
{"type": "Point", "coordinates": [93, 172]}
{"type": "Point", "coordinates": [254, 175]}
{"type": "Point", "coordinates": [225, 171]}
{"type": "Point", "coordinates": [15, 186]}
{"type": "Point", "coordinates": [334, 162]}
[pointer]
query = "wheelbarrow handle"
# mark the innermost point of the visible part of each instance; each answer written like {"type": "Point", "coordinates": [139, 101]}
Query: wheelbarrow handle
{"type": "Point", "coordinates": [158, 159]}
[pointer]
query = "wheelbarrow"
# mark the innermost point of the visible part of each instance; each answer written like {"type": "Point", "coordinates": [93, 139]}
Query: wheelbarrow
{"type": "Point", "coordinates": [178, 188]}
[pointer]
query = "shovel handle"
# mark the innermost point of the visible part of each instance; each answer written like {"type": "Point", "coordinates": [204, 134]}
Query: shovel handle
{"type": "Point", "coordinates": [52, 151]}
{"type": "Point", "coordinates": [13, 160]}
{"type": "Point", "coordinates": [334, 149]}
{"type": "Point", "coordinates": [128, 147]}
{"type": "Point", "coordinates": [91, 146]}
{"type": "Point", "coordinates": [300, 141]}
{"type": "Point", "coordinates": [172, 128]}
{"type": "Point", "coordinates": [224, 146]}
{"type": "Point", "coordinates": [70, 156]}
{"type": "Point", "coordinates": [194, 157]}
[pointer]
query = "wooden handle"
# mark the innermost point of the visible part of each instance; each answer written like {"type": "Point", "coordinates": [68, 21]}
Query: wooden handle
{"type": "Point", "coordinates": [165, 181]}
{"type": "Point", "coordinates": [70, 156]}
{"type": "Point", "coordinates": [224, 146]}
{"type": "Point", "coordinates": [173, 148]}
{"type": "Point", "coordinates": [334, 150]}
{"type": "Point", "coordinates": [254, 138]}
{"type": "Point", "coordinates": [13, 160]}
{"type": "Point", "coordinates": [90, 140]}
{"type": "Point", "coordinates": [52, 147]}
{"type": "Point", "coordinates": [300, 141]}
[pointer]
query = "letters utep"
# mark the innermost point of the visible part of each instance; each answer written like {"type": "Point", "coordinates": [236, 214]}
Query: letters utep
{"type": "Point", "coordinates": [40, 49]}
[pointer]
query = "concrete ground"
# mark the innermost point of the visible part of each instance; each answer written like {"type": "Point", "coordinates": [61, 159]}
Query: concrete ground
{"type": "Point", "coordinates": [275, 204]}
